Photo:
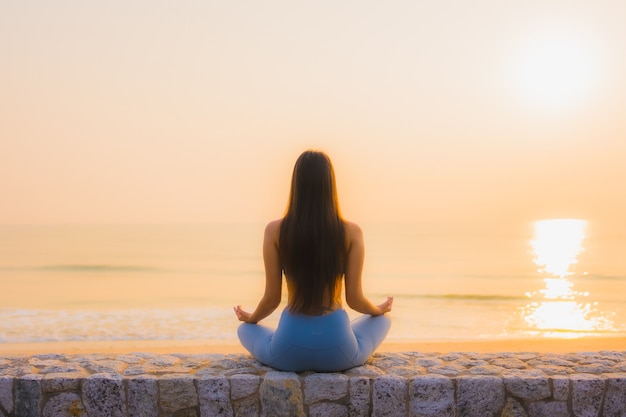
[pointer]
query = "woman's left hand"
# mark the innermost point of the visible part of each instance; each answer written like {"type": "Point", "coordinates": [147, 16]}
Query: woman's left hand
{"type": "Point", "coordinates": [242, 315]}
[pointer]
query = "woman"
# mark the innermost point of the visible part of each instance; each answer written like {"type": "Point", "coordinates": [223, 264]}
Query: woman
{"type": "Point", "coordinates": [315, 249]}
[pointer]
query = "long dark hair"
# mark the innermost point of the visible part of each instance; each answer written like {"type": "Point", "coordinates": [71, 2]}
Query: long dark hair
{"type": "Point", "coordinates": [312, 236]}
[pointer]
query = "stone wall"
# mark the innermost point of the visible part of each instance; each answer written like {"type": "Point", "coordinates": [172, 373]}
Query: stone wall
{"type": "Point", "coordinates": [591, 384]}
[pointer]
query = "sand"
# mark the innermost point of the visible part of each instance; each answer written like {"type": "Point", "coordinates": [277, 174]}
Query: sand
{"type": "Point", "coordinates": [543, 345]}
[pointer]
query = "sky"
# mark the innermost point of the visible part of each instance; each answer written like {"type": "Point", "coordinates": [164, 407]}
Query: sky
{"type": "Point", "coordinates": [482, 114]}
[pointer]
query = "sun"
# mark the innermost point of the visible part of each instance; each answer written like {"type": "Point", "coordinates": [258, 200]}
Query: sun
{"type": "Point", "coordinates": [555, 68]}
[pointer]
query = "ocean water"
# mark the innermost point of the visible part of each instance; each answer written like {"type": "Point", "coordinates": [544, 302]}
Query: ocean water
{"type": "Point", "coordinates": [180, 282]}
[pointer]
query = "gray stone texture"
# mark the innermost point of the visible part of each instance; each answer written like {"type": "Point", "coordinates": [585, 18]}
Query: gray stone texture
{"type": "Point", "coordinates": [281, 395]}
{"type": "Point", "coordinates": [412, 384]}
{"type": "Point", "coordinates": [389, 396]}
{"type": "Point", "coordinates": [324, 387]}
{"type": "Point", "coordinates": [142, 393]}
{"type": "Point", "coordinates": [213, 396]}
{"type": "Point", "coordinates": [6, 394]}
{"type": "Point", "coordinates": [587, 392]}
{"type": "Point", "coordinates": [328, 410]}
{"type": "Point", "coordinates": [243, 385]}
{"type": "Point", "coordinates": [65, 404]}
{"type": "Point", "coordinates": [104, 396]}
{"type": "Point", "coordinates": [548, 409]}
{"type": "Point", "coordinates": [359, 392]}
{"type": "Point", "coordinates": [480, 396]}
{"type": "Point", "coordinates": [431, 396]}
{"type": "Point", "coordinates": [177, 392]}
{"type": "Point", "coordinates": [512, 408]}
{"type": "Point", "coordinates": [615, 398]}
{"type": "Point", "coordinates": [28, 396]}
{"type": "Point", "coordinates": [527, 387]}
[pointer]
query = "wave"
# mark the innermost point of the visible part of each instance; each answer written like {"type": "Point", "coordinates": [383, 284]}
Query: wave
{"type": "Point", "coordinates": [468, 297]}
{"type": "Point", "coordinates": [86, 268]}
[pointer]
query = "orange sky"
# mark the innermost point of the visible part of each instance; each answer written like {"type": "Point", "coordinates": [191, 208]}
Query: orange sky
{"type": "Point", "coordinates": [465, 112]}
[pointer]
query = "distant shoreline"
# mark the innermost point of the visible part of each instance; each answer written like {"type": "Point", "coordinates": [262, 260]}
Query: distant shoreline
{"type": "Point", "coordinates": [542, 345]}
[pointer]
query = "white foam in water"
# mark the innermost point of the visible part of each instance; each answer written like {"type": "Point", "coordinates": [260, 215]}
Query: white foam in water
{"type": "Point", "coordinates": [136, 324]}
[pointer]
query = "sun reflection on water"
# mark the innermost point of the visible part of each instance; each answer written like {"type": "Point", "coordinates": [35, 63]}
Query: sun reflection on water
{"type": "Point", "coordinates": [559, 310]}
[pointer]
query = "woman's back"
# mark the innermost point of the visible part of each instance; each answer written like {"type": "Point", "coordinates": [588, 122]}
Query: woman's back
{"type": "Point", "coordinates": [314, 248]}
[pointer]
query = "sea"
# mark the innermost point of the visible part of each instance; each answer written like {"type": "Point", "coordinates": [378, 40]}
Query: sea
{"type": "Point", "coordinates": [72, 282]}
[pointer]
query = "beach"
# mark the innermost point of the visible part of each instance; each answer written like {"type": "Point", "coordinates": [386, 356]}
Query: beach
{"type": "Point", "coordinates": [540, 345]}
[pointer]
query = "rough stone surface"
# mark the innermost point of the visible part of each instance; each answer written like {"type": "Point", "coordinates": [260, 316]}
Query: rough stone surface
{"type": "Point", "coordinates": [512, 408]}
{"type": "Point", "coordinates": [416, 384]}
{"type": "Point", "coordinates": [177, 393]}
{"type": "Point", "coordinates": [389, 396]}
{"type": "Point", "coordinates": [281, 395]}
{"type": "Point", "coordinates": [103, 395]}
{"type": "Point", "coordinates": [359, 392]}
{"type": "Point", "coordinates": [560, 387]}
{"type": "Point", "coordinates": [548, 409]}
{"type": "Point", "coordinates": [213, 393]}
{"type": "Point", "coordinates": [328, 410]}
{"type": "Point", "coordinates": [242, 385]}
{"type": "Point", "coordinates": [480, 396]}
{"type": "Point", "coordinates": [587, 391]}
{"type": "Point", "coordinates": [28, 396]}
{"type": "Point", "coordinates": [6, 394]}
{"type": "Point", "coordinates": [143, 396]}
{"type": "Point", "coordinates": [527, 387]}
{"type": "Point", "coordinates": [318, 387]}
{"type": "Point", "coordinates": [431, 395]}
{"type": "Point", "coordinates": [65, 404]}
{"type": "Point", "coordinates": [615, 399]}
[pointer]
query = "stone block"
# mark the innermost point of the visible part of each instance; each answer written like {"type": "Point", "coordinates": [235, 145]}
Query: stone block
{"type": "Point", "coordinates": [28, 396]}
{"type": "Point", "coordinates": [103, 395]}
{"type": "Point", "coordinates": [281, 395]}
{"type": "Point", "coordinates": [548, 409]}
{"type": "Point", "coordinates": [65, 404]}
{"type": "Point", "coordinates": [510, 363]}
{"type": "Point", "coordinates": [247, 406]}
{"type": "Point", "coordinates": [527, 387]}
{"type": "Point", "coordinates": [107, 366]}
{"type": "Point", "coordinates": [431, 395]}
{"type": "Point", "coordinates": [142, 396]}
{"type": "Point", "coordinates": [242, 385]}
{"type": "Point", "coordinates": [359, 393]}
{"type": "Point", "coordinates": [56, 382]}
{"type": "Point", "coordinates": [6, 394]}
{"type": "Point", "coordinates": [479, 396]}
{"type": "Point", "coordinates": [177, 392]}
{"type": "Point", "coordinates": [512, 408]}
{"type": "Point", "coordinates": [389, 396]}
{"type": "Point", "coordinates": [560, 387]}
{"type": "Point", "coordinates": [163, 360]}
{"type": "Point", "coordinates": [213, 396]}
{"type": "Point", "coordinates": [328, 410]}
{"type": "Point", "coordinates": [486, 370]}
{"type": "Point", "coordinates": [428, 362]}
{"type": "Point", "coordinates": [324, 387]}
{"type": "Point", "coordinates": [615, 398]}
{"type": "Point", "coordinates": [587, 392]}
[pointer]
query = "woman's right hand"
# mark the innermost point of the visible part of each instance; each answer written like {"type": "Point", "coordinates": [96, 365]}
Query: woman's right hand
{"type": "Point", "coordinates": [386, 306]}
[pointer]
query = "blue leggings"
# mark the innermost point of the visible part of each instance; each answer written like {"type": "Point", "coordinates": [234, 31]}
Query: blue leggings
{"type": "Point", "coordinates": [328, 343]}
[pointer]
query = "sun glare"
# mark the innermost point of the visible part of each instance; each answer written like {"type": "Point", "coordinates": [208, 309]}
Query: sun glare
{"type": "Point", "coordinates": [557, 244]}
{"type": "Point", "coordinates": [558, 310]}
{"type": "Point", "coordinates": [555, 69]}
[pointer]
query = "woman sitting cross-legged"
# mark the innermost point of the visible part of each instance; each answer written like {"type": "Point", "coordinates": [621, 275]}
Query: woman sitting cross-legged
{"type": "Point", "coordinates": [319, 253]}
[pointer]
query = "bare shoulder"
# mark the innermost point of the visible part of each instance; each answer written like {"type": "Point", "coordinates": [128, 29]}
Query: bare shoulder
{"type": "Point", "coordinates": [353, 231]}
{"type": "Point", "coordinates": [272, 229]}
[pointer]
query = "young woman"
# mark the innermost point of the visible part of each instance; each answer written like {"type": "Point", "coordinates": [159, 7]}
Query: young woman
{"type": "Point", "coordinates": [316, 249]}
